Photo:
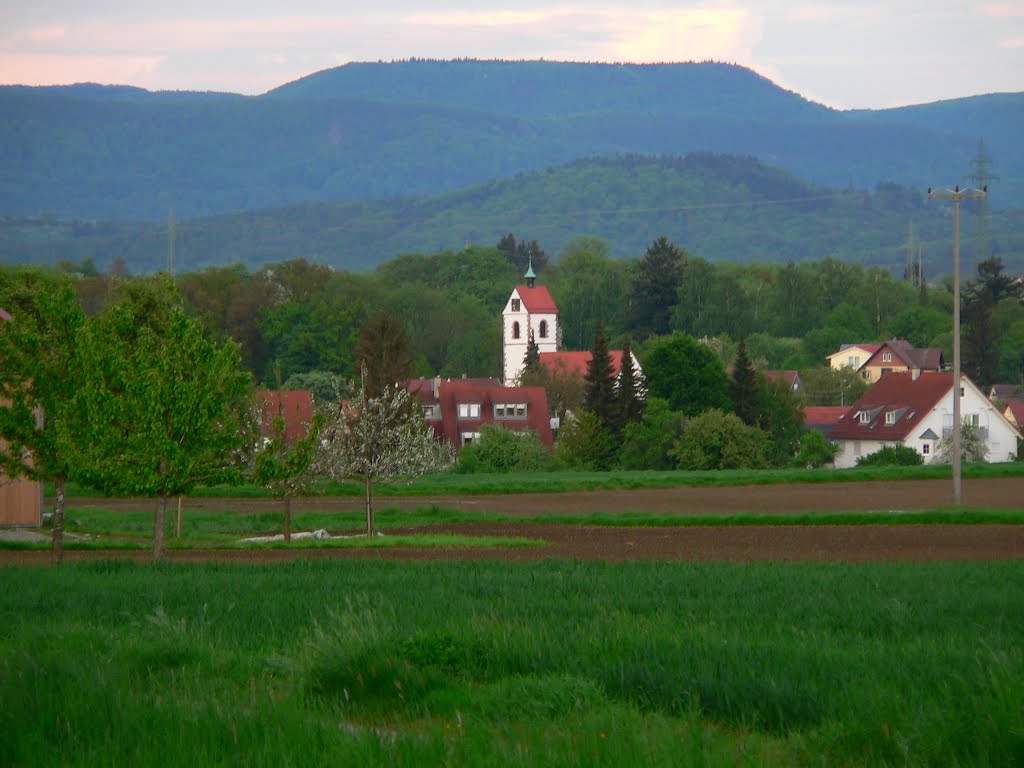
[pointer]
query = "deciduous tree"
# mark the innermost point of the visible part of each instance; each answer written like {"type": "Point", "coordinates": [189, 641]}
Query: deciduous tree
{"type": "Point", "coordinates": [38, 379]}
{"type": "Point", "coordinates": [159, 406]}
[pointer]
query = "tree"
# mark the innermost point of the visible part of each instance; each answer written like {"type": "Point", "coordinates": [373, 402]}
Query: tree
{"type": "Point", "coordinates": [585, 444]}
{"type": "Point", "coordinates": [284, 463]}
{"type": "Point", "coordinates": [719, 440]}
{"type": "Point", "coordinates": [599, 392]}
{"type": "Point", "coordinates": [832, 386]}
{"type": "Point", "coordinates": [383, 354]}
{"type": "Point", "coordinates": [816, 450]}
{"type": "Point", "coordinates": [647, 444]}
{"type": "Point", "coordinates": [628, 396]}
{"type": "Point", "coordinates": [531, 362]}
{"type": "Point", "coordinates": [378, 437]}
{"type": "Point", "coordinates": [654, 289]}
{"type": "Point", "coordinates": [743, 389]}
{"type": "Point", "coordinates": [686, 373]}
{"type": "Point", "coordinates": [160, 407]}
{"type": "Point", "coordinates": [972, 445]}
{"type": "Point", "coordinates": [37, 381]}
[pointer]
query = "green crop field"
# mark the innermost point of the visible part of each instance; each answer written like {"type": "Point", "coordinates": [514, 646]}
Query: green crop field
{"type": "Point", "coordinates": [486, 663]}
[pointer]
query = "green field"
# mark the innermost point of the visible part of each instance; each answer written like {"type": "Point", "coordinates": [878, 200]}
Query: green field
{"type": "Point", "coordinates": [483, 663]}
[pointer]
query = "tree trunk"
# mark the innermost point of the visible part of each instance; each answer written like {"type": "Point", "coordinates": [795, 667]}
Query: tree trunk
{"type": "Point", "coordinates": [177, 523]}
{"type": "Point", "coordinates": [158, 528]}
{"type": "Point", "coordinates": [288, 519]}
{"type": "Point", "coordinates": [370, 526]}
{"type": "Point", "coordinates": [58, 520]}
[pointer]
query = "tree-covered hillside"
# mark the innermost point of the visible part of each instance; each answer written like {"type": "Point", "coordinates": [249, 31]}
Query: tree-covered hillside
{"type": "Point", "coordinates": [422, 128]}
{"type": "Point", "coordinates": [721, 207]}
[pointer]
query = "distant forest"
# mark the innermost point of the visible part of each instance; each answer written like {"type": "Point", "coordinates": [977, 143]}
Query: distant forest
{"type": "Point", "coordinates": [723, 208]}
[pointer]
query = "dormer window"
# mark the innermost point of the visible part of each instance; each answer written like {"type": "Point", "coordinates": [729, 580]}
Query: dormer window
{"type": "Point", "coordinates": [864, 417]}
{"type": "Point", "coordinates": [469, 410]}
{"type": "Point", "coordinates": [890, 418]}
{"type": "Point", "coordinates": [515, 305]}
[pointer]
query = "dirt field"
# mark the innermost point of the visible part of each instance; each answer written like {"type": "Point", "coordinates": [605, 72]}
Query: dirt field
{"type": "Point", "coordinates": [861, 543]}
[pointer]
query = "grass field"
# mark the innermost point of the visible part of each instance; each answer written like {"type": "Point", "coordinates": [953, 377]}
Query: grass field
{"type": "Point", "coordinates": [482, 663]}
{"type": "Point", "coordinates": [556, 482]}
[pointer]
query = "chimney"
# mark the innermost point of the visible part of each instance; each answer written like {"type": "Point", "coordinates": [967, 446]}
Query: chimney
{"type": "Point", "coordinates": [915, 374]}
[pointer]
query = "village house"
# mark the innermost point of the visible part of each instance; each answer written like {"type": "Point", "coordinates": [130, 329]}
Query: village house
{"type": "Point", "coordinates": [456, 409]}
{"type": "Point", "coordinates": [851, 356]}
{"type": "Point", "coordinates": [915, 409]}
{"type": "Point", "coordinates": [295, 406]}
{"type": "Point", "coordinates": [898, 356]}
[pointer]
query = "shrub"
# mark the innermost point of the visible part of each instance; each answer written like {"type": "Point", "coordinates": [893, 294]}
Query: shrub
{"type": "Point", "coordinates": [891, 456]}
{"type": "Point", "coordinates": [717, 440]}
{"type": "Point", "coordinates": [504, 450]}
{"type": "Point", "coordinates": [816, 450]}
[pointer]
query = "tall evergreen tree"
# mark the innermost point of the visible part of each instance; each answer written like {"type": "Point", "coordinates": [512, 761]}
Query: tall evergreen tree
{"type": "Point", "coordinates": [383, 351]}
{"type": "Point", "coordinates": [655, 288]}
{"type": "Point", "coordinates": [629, 399]}
{"type": "Point", "coordinates": [599, 396]}
{"type": "Point", "coordinates": [531, 363]}
{"type": "Point", "coordinates": [743, 388]}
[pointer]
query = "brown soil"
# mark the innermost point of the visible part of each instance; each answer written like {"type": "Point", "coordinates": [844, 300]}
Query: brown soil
{"type": "Point", "coordinates": [857, 543]}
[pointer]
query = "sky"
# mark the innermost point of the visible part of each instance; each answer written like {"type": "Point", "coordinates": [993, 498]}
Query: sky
{"type": "Point", "coordinates": [843, 53]}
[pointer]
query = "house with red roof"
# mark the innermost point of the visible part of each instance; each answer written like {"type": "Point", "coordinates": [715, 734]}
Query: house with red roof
{"type": "Point", "coordinates": [823, 418]}
{"type": "Point", "coordinates": [1014, 413]}
{"type": "Point", "coordinates": [899, 355]}
{"type": "Point", "coordinates": [294, 405]}
{"type": "Point", "coordinates": [915, 409]}
{"type": "Point", "coordinates": [456, 409]}
{"type": "Point", "coordinates": [791, 378]}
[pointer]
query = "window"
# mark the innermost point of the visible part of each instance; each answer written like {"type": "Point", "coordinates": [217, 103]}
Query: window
{"type": "Point", "coordinates": [887, 357]}
{"type": "Point", "coordinates": [926, 449]}
{"type": "Point", "coordinates": [853, 361]}
{"type": "Point", "coordinates": [864, 416]}
{"type": "Point", "coordinates": [515, 305]}
{"type": "Point", "coordinates": [469, 437]}
{"type": "Point", "coordinates": [432, 411]}
{"type": "Point", "coordinates": [515, 330]}
{"type": "Point", "coordinates": [469, 410]}
{"type": "Point", "coordinates": [972, 419]}
{"type": "Point", "coordinates": [543, 329]}
{"type": "Point", "coordinates": [890, 417]}
{"type": "Point", "coordinates": [510, 410]}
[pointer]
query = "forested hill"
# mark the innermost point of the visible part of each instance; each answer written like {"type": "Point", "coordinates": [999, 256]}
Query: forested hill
{"type": "Point", "coordinates": [718, 206]}
{"type": "Point", "coordinates": [422, 128]}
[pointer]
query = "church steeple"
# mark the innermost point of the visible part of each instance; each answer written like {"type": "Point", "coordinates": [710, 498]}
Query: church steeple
{"type": "Point", "coordinates": [530, 275]}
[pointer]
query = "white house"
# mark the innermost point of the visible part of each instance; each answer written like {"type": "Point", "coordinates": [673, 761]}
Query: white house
{"type": "Point", "coordinates": [915, 409]}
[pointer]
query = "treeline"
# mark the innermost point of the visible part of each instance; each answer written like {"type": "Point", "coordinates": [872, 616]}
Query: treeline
{"type": "Point", "coordinates": [304, 317]}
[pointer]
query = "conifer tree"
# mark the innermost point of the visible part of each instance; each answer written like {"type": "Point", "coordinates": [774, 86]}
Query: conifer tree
{"type": "Point", "coordinates": [599, 397]}
{"type": "Point", "coordinates": [531, 363]}
{"type": "Point", "coordinates": [655, 288]}
{"type": "Point", "coordinates": [383, 351]}
{"type": "Point", "coordinates": [743, 388]}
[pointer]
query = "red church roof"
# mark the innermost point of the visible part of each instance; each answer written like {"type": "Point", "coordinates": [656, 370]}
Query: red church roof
{"type": "Point", "coordinates": [576, 362]}
{"type": "Point", "coordinates": [296, 407]}
{"type": "Point", "coordinates": [537, 300]}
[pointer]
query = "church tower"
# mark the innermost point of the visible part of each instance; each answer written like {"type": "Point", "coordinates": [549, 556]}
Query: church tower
{"type": "Point", "coordinates": [529, 308]}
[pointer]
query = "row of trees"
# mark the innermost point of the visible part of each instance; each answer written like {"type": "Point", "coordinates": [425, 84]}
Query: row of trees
{"type": "Point", "coordinates": [140, 399]}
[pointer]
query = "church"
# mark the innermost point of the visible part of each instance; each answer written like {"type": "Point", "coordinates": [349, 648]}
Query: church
{"type": "Point", "coordinates": [531, 309]}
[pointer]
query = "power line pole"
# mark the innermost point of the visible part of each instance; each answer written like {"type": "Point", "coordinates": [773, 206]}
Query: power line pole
{"type": "Point", "coordinates": [956, 195]}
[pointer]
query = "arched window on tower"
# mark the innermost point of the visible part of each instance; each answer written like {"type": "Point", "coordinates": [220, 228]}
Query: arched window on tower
{"type": "Point", "coordinates": [543, 329]}
{"type": "Point", "coordinates": [515, 330]}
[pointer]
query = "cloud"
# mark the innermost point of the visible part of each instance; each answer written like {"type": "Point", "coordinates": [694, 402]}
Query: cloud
{"type": "Point", "coordinates": [1002, 10]}
{"type": "Point", "coordinates": [57, 69]}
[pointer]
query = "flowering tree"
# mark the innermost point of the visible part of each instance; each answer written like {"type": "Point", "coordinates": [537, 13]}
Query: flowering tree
{"type": "Point", "coordinates": [972, 446]}
{"type": "Point", "coordinates": [378, 438]}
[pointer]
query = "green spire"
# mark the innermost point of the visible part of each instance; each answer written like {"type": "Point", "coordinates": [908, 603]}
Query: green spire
{"type": "Point", "coordinates": [530, 274]}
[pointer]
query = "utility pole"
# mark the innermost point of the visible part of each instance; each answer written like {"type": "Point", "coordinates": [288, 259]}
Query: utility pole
{"type": "Point", "coordinates": [956, 195]}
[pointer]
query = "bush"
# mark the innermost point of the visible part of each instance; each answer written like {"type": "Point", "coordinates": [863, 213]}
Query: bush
{"type": "Point", "coordinates": [816, 450]}
{"type": "Point", "coordinates": [647, 444]}
{"type": "Point", "coordinates": [717, 440]}
{"type": "Point", "coordinates": [504, 450]}
{"type": "Point", "coordinates": [584, 444]}
{"type": "Point", "coordinates": [891, 456]}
